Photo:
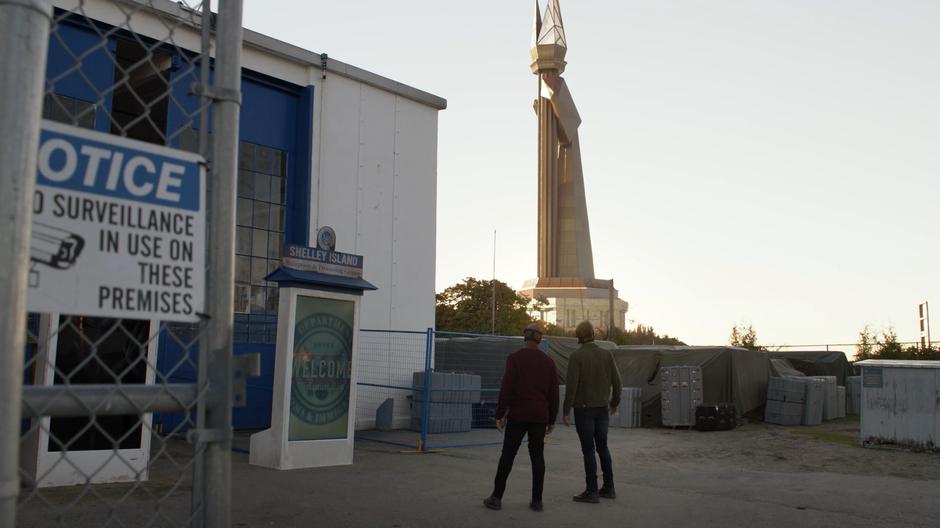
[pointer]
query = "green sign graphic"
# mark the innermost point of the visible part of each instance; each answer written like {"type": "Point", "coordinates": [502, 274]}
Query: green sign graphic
{"type": "Point", "coordinates": [322, 368]}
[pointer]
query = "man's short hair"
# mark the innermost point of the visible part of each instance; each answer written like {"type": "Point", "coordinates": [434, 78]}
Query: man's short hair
{"type": "Point", "coordinates": [531, 330]}
{"type": "Point", "coordinates": [584, 331]}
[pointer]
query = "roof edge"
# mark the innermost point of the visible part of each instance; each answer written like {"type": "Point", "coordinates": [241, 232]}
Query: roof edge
{"type": "Point", "coordinates": [294, 53]}
{"type": "Point", "coordinates": [280, 48]}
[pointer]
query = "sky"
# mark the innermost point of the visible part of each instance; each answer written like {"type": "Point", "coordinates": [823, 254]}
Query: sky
{"type": "Point", "coordinates": [763, 162]}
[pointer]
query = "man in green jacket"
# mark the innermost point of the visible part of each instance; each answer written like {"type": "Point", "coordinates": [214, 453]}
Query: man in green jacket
{"type": "Point", "coordinates": [593, 388]}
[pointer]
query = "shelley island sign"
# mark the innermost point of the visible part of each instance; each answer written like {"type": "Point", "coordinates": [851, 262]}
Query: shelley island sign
{"type": "Point", "coordinates": [322, 260]}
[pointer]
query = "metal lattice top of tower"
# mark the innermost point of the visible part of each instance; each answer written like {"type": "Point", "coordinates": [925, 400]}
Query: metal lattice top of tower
{"type": "Point", "coordinates": [552, 29]}
{"type": "Point", "coordinates": [549, 45]}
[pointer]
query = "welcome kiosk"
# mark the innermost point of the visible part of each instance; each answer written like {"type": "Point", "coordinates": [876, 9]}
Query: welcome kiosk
{"type": "Point", "coordinates": [314, 400]}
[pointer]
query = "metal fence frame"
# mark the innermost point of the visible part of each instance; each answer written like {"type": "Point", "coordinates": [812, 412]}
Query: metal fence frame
{"type": "Point", "coordinates": [425, 442]}
{"type": "Point", "coordinates": [25, 30]}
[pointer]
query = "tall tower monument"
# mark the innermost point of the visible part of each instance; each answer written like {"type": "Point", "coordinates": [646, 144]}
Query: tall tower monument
{"type": "Point", "coordinates": [566, 281]}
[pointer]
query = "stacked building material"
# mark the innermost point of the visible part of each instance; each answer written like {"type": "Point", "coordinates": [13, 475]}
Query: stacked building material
{"type": "Point", "coordinates": [628, 414]}
{"type": "Point", "coordinates": [681, 393]}
{"type": "Point", "coordinates": [853, 393]}
{"type": "Point", "coordinates": [796, 400]}
{"type": "Point", "coordinates": [815, 401]}
{"type": "Point", "coordinates": [830, 407]}
{"type": "Point", "coordinates": [451, 400]}
{"type": "Point", "coordinates": [840, 402]}
{"type": "Point", "coordinates": [786, 399]}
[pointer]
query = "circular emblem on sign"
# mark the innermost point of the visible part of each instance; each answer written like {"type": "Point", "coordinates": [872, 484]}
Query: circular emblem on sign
{"type": "Point", "coordinates": [326, 238]}
{"type": "Point", "coordinates": [322, 369]}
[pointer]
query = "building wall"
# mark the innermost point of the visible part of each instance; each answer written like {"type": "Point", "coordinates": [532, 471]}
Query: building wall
{"type": "Point", "coordinates": [568, 312]}
{"type": "Point", "coordinates": [373, 160]}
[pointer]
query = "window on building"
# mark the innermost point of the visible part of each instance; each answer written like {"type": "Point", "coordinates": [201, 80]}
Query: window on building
{"type": "Point", "coordinates": [141, 75]}
{"type": "Point", "coordinates": [69, 110]}
{"type": "Point", "coordinates": [259, 240]}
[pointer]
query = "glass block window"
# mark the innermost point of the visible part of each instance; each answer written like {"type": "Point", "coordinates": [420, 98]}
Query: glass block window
{"type": "Point", "coordinates": [68, 110]}
{"type": "Point", "coordinates": [259, 240]}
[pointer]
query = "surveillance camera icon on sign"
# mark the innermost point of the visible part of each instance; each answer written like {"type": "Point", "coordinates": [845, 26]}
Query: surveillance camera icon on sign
{"type": "Point", "coordinates": [52, 247]}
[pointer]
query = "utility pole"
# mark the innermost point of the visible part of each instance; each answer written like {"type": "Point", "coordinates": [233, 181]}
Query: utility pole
{"type": "Point", "coordinates": [493, 323]}
{"type": "Point", "coordinates": [610, 313]}
{"type": "Point", "coordinates": [923, 318]}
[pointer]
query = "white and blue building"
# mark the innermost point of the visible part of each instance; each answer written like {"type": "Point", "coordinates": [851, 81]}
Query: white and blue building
{"type": "Point", "coordinates": [321, 143]}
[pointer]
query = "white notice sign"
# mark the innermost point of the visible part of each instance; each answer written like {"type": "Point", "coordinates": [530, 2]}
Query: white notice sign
{"type": "Point", "coordinates": [118, 228]}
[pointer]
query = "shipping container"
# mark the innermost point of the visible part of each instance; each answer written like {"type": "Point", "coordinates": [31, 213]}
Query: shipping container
{"type": "Point", "coordinates": [900, 403]}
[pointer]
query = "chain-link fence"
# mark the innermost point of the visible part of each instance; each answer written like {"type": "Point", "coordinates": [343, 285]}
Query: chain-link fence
{"type": "Point", "coordinates": [126, 420]}
{"type": "Point", "coordinates": [431, 390]}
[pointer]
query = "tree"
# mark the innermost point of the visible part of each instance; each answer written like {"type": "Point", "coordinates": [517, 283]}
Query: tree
{"type": "Point", "coordinates": [745, 337]}
{"type": "Point", "coordinates": [886, 346]}
{"type": "Point", "coordinates": [641, 335]}
{"type": "Point", "coordinates": [468, 307]}
{"type": "Point", "coordinates": [867, 340]}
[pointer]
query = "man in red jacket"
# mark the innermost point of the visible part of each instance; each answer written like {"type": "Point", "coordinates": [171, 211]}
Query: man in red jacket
{"type": "Point", "coordinates": [528, 403]}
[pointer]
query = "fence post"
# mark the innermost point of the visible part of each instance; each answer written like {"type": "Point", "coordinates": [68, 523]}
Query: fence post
{"type": "Point", "coordinates": [24, 29]}
{"type": "Point", "coordinates": [426, 408]}
{"type": "Point", "coordinates": [217, 354]}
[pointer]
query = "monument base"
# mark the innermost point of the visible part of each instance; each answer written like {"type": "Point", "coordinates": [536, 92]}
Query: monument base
{"type": "Point", "coordinates": [566, 301]}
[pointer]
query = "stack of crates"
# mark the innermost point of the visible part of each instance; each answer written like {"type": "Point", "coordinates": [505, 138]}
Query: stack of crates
{"type": "Point", "coordinates": [681, 392]}
{"type": "Point", "coordinates": [795, 401]}
{"type": "Point", "coordinates": [628, 413]}
{"type": "Point", "coordinates": [815, 401]}
{"type": "Point", "coordinates": [786, 399]}
{"type": "Point", "coordinates": [831, 406]}
{"type": "Point", "coordinates": [840, 402]}
{"type": "Point", "coordinates": [450, 411]}
{"type": "Point", "coordinates": [853, 394]}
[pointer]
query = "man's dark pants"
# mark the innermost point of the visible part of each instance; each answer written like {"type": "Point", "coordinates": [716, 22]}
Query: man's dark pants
{"type": "Point", "coordinates": [512, 439]}
{"type": "Point", "coordinates": [591, 423]}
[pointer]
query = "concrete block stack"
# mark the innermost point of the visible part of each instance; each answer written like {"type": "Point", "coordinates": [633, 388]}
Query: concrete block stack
{"type": "Point", "coordinates": [840, 402]}
{"type": "Point", "coordinates": [831, 405]}
{"type": "Point", "coordinates": [451, 409]}
{"type": "Point", "coordinates": [795, 401]}
{"type": "Point", "coordinates": [853, 394]}
{"type": "Point", "coordinates": [815, 401]}
{"type": "Point", "coordinates": [628, 414]}
{"type": "Point", "coordinates": [786, 398]}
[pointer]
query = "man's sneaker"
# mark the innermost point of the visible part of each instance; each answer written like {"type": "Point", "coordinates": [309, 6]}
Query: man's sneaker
{"type": "Point", "coordinates": [535, 506]}
{"type": "Point", "coordinates": [493, 503]}
{"type": "Point", "coordinates": [607, 493]}
{"type": "Point", "coordinates": [587, 496]}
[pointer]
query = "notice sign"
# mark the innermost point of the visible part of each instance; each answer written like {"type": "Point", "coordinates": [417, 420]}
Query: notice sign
{"type": "Point", "coordinates": [118, 227]}
{"type": "Point", "coordinates": [321, 369]}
